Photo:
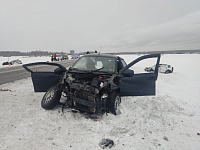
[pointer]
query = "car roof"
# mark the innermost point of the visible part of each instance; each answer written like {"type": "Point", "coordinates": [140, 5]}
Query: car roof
{"type": "Point", "coordinates": [101, 55]}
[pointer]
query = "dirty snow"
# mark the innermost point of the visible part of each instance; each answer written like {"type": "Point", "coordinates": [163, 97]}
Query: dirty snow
{"type": "Point", "coordinates": [169, 120]}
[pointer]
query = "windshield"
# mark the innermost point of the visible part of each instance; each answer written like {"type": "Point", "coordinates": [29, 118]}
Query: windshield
{"type": "Point", "coordinates": [95, 63]}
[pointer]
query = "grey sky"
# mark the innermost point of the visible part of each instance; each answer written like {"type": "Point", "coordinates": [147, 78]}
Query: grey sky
{"type": "Point", "coordinates": [114, 25]}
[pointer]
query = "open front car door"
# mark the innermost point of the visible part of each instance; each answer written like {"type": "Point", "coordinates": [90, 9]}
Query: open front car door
{"type": "Point", "coordinates": [142, 84]}
{"type": "Point", "coordinates": [45, 74]}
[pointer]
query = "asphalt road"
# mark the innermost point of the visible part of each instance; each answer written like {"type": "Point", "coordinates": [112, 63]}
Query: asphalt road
{"type": "Point", "coordinates": [13, 73]}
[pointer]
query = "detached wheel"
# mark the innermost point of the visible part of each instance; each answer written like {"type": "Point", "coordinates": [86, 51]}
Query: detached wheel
{"type": "Point", "coordinates": [115, 100]}
{"type": "Point", "coordinates": [51, 98]}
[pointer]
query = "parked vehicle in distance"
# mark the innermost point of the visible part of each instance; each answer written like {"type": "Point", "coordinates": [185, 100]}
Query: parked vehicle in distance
{"type": "Point", "coordinates": [59, 57]}
{"type": "Point", "coordinates": [94, 84]}
{"type": "Point", "coordinates": [66, 57]}
{"type": "Point", "coordinates": [163, 68]}
{"type": "Point", "coordinates": [14, 62]}
{"type": "Point", "coordinates": [75, 56]}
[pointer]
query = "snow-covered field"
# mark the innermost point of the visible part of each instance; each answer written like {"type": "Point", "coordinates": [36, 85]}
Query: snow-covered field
{"type": "Point", "coordinates": [169, 120]}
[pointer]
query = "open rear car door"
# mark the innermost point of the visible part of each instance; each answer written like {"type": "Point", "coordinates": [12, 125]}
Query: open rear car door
{"type": "Point", "coordinates": [43, 74]}
{"type": "Point", "coordinates": [142, 84]}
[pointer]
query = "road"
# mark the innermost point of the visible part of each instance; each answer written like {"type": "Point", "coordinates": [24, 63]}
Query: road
{"type": "Point", "coordinates": [13, 73]}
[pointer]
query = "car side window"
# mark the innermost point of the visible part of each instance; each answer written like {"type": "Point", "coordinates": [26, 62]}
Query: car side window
{"type": "Point", "coordinates": [123, 63]}
{"type": "Point", "coordinates": [145, 66]}
{"type": "Point", "coordinates": [120, 64]}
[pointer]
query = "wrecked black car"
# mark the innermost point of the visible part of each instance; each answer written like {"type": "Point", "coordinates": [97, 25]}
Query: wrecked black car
{"type": "Point", "coordinates": [94, 84]}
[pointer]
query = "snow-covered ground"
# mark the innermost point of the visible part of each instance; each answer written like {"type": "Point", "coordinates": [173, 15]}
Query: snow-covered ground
{"type": "Point", "coordinates": [169, 120]}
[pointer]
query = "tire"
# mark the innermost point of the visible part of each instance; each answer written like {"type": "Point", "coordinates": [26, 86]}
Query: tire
{"type": "Point", "coordinates": [115, 100]}
{"type": "Point", "coordinates": [51, 98]}
{"type": "Point", "coordinates": [167, 71]}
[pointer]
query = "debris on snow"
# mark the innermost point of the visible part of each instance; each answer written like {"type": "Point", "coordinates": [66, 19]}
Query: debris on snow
{"type": "Point", "coordinates": [5, 90]}
{"type": "Point", "coordinates": [165, 138]}
{"type": "Point", "coordinates": [106, 143]}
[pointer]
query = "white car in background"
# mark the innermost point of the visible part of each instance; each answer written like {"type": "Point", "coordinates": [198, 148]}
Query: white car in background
{"type": "Point", "coordinates": [163, 68]}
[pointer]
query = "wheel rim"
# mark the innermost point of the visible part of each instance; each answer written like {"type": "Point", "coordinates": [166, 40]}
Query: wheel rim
{"type": "Point", "coordinates": [49, 95]}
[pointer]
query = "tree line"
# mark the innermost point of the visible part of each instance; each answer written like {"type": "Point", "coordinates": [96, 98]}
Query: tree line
{"type": "Point", "coordinates": [36, 53]}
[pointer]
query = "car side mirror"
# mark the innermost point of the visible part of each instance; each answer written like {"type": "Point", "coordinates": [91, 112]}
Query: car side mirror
{"type": "Point", "coordinates": [59, 71]}
{"type": "Point", "coordinates": [128, 73]}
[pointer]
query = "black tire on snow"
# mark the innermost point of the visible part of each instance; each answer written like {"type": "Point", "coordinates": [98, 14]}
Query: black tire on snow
{"type": "Point", "coordinates": [115, 100]}
{"type": "Point", "coordinates": [51, 98]}
{"type": "Point", "coordinates": [167, 71]}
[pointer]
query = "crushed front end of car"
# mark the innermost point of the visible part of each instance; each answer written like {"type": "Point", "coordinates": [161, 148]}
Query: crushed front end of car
{"type": "Point", "coordinates": [89, 91]}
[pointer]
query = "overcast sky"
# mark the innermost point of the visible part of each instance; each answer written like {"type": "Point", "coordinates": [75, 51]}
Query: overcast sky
{"type": "Point", "coordinates": [106, 25]}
